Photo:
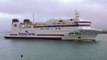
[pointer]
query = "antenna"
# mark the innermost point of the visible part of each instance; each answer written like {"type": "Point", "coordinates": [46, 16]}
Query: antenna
{"type": "Point", "coordinates": [33, 17]}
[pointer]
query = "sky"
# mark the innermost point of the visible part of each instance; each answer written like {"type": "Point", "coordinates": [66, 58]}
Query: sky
{"type": "Point", "coordinates": [93, 10]}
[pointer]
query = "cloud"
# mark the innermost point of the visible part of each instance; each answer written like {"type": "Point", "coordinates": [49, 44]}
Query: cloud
{"type": "Point", "coordinates": [95, 10]}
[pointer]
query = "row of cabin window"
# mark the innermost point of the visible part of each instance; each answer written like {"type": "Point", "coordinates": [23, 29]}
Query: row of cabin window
{"type": "Point", "coordinates": [48, 28]}
{"type": "Point", "coordinates": [75, 33]}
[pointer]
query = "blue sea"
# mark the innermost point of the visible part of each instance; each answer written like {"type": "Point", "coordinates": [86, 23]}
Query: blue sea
{"type": "Point", "coordinates": [12, 49]}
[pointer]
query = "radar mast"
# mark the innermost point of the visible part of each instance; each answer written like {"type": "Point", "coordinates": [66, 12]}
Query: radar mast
{"type": "Point", "coordinates": [77, 15]}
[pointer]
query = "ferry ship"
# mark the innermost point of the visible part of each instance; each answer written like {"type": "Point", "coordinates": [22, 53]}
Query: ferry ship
{"type": "Point", "coordinates": [62, 29]}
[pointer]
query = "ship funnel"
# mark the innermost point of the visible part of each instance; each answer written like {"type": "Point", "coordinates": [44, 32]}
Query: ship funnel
{"type": "Point", "coordinates": [15, 20]}
{"type": "Point", "coordinates": [26, 20]}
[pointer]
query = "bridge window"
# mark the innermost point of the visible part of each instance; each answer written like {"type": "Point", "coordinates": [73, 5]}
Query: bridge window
{"type": "Point", "coordinates": [60, 20]}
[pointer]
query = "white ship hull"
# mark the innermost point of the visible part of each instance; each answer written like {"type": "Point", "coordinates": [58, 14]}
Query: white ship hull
{"type": "Point", "coordinates": [64, 34]}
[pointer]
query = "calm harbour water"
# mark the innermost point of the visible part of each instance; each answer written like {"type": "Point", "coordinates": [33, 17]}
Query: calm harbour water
{"type": "Point", "coordinates": [11, 49]}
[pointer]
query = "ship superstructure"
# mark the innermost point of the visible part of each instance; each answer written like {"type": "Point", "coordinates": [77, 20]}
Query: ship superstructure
{"type": "Point", "coordinates": [63, 29]}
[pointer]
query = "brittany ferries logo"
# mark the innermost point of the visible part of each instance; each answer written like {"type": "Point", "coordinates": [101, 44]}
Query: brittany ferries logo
{"type": "Point", "coordinates": [27, 33]}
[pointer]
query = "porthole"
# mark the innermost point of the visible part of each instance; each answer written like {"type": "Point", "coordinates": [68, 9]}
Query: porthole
{"type": "Point", "coordinates": [79, 37]}
{"type": "Point", "coordinates": [71, 33]}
